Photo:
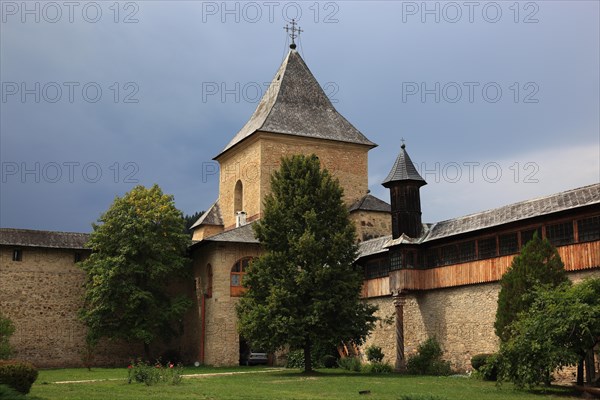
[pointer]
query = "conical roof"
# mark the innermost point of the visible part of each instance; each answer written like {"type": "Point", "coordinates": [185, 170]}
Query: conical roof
{"type": "Point", "coordinates": [295, 104]}
{"type": "Point", "coordinates": [403, 170]}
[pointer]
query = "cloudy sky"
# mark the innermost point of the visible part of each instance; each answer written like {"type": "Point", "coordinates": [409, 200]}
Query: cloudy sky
{"type": "Point", "coordinates": [498, 101]}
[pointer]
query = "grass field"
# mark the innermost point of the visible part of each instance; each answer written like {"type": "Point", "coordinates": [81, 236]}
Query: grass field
{"type": "Point", "coordinates": [261, 383]}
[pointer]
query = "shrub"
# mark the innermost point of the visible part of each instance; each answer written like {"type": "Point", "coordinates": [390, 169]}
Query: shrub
{"type": "Point", "coordinates": [374, 354]}
{"type": "Point", "coordinates": [8, 393]}
{"type": "Point", "coordinates": [428, 360]}
{"type": "Point", "coordinates": [478, 360]}
{"type": "Point", "coordinates": [329, 361]}
{"type": "Point", "coordinates": [377, 367]}
{"type": "Point", "coordinates": [350, 364]}
{"type": "Point", "coordinates": [19, 375]}
{"type": "Point", "coordinates": [142, 372]}
{"type": "Point", "coordinates": [295, 359]}
{"type": "Point", "coordinates": [489, 370]}
{"type": "Point", "coordinates": [6, 330]}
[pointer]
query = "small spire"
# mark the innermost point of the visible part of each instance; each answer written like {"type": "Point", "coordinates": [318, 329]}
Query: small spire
{"type": "Point", "coordinates": [293, 35]}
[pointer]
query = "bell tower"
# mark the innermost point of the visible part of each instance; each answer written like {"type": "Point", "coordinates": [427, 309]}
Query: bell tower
{"type": "Point", "coordinates": [404, 183]}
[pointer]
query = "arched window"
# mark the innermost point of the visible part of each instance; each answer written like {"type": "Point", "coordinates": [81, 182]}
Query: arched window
{"type": "Point", "coordinates": [237, 276]}
{"type": "Point", "coordinates": [209, 280]}
{"type": "Point", "coordinates": [238, 197]}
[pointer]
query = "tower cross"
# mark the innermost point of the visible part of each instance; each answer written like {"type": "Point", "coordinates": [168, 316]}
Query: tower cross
{"type": "Point", "coordinates": [295, 32]}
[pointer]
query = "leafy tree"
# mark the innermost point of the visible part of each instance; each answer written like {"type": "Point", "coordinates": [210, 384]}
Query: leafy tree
{"type": "Point", "coordinates": [6, 330]}
{"type": "Point", "coordinates": [137, 247]}
{"type": "Point", "coordinates": [561, 328]}
{"type": "Point", "coordinates": [305, 289]}
{"type": "Point", "coordinates": [538, 264]}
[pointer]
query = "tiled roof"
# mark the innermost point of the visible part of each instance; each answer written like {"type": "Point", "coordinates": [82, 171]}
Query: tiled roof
{"type": "Point", "coordinates": [243, 234]}
{"type": "Point", "coordinates": [47, 239]}
{"type": "Point", "coordinates": [212, 216]}
{"type": "Point", "coordinates": [370, 203]}
{"type": "Point", "coordinates": [403, 169]}
{"type": "Point", "coordinates": [373, 246]}
{"type": "Point", "coordinates": [584, 196]}
{"type": "Point", "coordinates": [295, 104]}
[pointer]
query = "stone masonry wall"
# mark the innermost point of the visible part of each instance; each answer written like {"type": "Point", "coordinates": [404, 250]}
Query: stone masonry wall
{"type": "Point", "coordinates": [346, 161]}
{"type": "Point", "coordinates": [221, 337]}
{"type": "Point", "coordinates": [42, 295]}
{"type": "Point", "coordinates": [371, 224]}
{"type": "Point", "coordinates": [240, 163]}
{"type": "Point", "coordinates": [461, 318]}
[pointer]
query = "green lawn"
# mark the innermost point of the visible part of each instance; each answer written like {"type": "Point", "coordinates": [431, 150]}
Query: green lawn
{"type": "Point", "coordinates": [278, 384]}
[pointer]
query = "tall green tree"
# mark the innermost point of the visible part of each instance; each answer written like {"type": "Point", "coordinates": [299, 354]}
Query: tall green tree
{"type": "Point", "coordinates": [305, 289]}
{"type": "Point", "coordinates": [538, 264]}
{"type": "Point", "coordinates": [561, 328]}
{"type": "Point", "coordinates": [137, 248]}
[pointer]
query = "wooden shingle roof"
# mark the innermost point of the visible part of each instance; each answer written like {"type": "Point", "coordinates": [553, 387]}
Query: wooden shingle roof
{"type": "Point", "coordinates": [370, 203]}
{"type": "Point", "coordinates": [46, 239]}
{"type": "Point", "coordinates": [212, 216]}
{"type": "Point", "coordinates": [571, 199]}
{"type": "Point", "coordinates": [243, 234]}
{"type": "Point", "coordinates": [403, 170]}
{"type": "Point", "coordinates": [580, 197]}
{"type": "Point", "coordinates": [295, 104]}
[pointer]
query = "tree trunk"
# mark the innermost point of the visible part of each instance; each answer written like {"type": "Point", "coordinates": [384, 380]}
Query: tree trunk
{"type": "Point", "coordinates": [589, 367]}
{"type": "Point", "coordinates": [580, 372]}
{"type": "Point", "coordinates": [307, 356]}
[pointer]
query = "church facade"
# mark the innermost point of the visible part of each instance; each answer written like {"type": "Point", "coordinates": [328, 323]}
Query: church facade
{"type": "Point", "coordinates": [428, 279]}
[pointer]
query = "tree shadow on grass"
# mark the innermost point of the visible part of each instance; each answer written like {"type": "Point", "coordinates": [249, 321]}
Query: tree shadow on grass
{"type": "Point", "coordinates": [555, 391]}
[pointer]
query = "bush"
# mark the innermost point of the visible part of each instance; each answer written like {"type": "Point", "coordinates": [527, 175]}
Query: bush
{"type": "Point", "coordinates": [374, 354]}
{"type": "Point", "coordinates": [142, 372]}
{"type": "Point", "coordinates": [19, 375]}
{"type": "Point", "coordinates": [329, 361]}
{"type": "Point", "coordinates": [295, 359]}
{"type": "Point", "coordinates": [350, 364]}
{"type": "Point", "coordinates": [6, 330]}
{"type": "Point", "coordinates": [478, 360]}
{"type": "Point", "coordinates": [8, 393]}
{"type": "Point", "coordinates": [428, 360]}
{"type": "Point", "coordinates": [489, 370]}
{"type": "Point", "coordinates": [377, 367]}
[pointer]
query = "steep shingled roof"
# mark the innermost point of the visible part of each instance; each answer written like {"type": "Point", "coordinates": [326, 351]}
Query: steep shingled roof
{"type": "Point", "coordinates": [295, 104]}
{"type": "Point", "coordinates": [403, 169]}
{"type": "Point", "coordinates": [584, 196]}
{"type": "Point", "coordinates": [46, 239]}
{"type": "Point", "coordinates": [370, 203]}
{"type": "Point", "coordinates": [212, 216]}
{"type": "Point", "coordinates": [243, 234]}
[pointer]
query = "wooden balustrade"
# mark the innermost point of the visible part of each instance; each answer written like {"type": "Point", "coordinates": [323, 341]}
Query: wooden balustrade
{"type": "Point", "coordinates": [576, 257]}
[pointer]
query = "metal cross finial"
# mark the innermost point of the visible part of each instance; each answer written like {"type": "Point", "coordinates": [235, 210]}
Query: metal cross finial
{"type": "Point", "coordinates": [403, 145]}
{"type": "Point", "coordinates": [295, 32]}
